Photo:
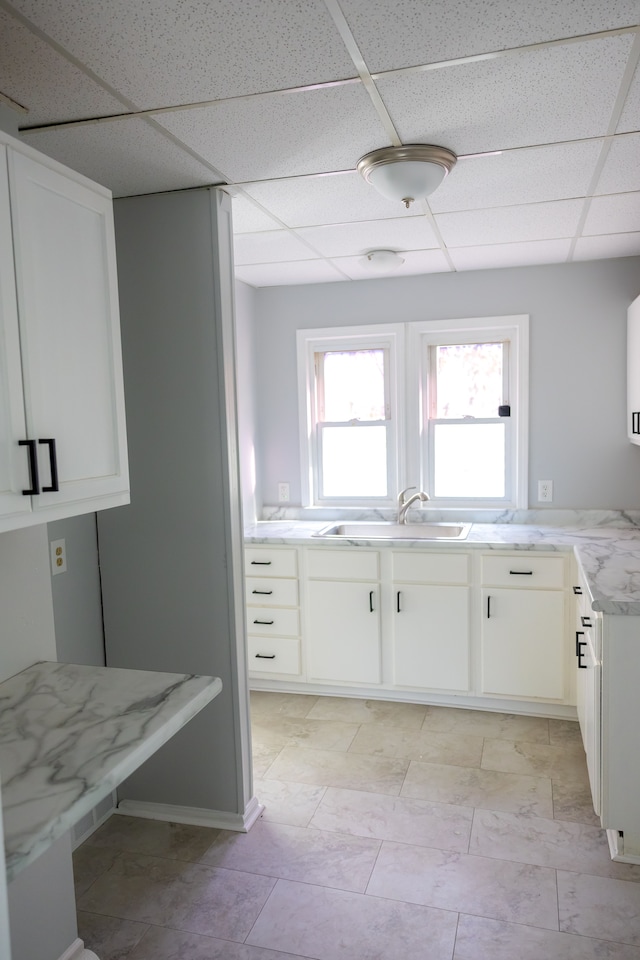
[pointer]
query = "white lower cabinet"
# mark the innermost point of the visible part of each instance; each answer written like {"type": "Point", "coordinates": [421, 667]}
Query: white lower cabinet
{"type": "Point", "coordinates": [343, 638]}
{"type": "Point", "coordinates": [272, 612]}
{"type": "Point", "coordinates": [431, 636]}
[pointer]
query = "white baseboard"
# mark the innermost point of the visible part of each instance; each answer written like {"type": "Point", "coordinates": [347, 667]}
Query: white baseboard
{"type": "Point", "coordinates": [616, 847]}
{"type": "Point", "coordinates": [196, 816]}
{"type": "Point", "coordinates": [78, 951]}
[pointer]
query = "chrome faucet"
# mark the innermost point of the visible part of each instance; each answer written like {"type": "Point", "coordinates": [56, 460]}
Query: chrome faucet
{"type": "Point", "coordinates": [403, 505]}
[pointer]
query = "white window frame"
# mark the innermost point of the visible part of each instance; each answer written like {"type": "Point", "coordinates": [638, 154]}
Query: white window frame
{"type": "Point", "coordinates": [422, 335]}
{"type": "Point", "coordinates": [389, 337]}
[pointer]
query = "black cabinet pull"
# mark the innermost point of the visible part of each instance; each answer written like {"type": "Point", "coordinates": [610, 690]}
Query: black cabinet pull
{"type": "Point", "coordinates": [267, 623]}
{"type": "Point", "coordinates": [577, 591]}
{"type": "Point", "coordinates": [265, 656]}
{"type": "Point", "coordinates": [488, 608]}
{"type": "Point", "coordinates": [581, 665]}
{"type": "Point", "coordinates": [521, 573]}
{"type": "Point", "coordinates": [263, 593]}
{"type": "Point", "coordinates": [635, 422]}
{"type": "Point", "coordinates": [586, 621]}
{"type": "Point", "coordinates": [370, 601]}
{"type": "Point", "coordinates": [53, 463]}
{"type": "Point", "coordinates": [398, 603]}
{"type": "Point", "coordinates": [579, 633]}
{"type": "Point", "coordinates": [261, 563]}
{"type": "Point", "coordinates": [33, 467]}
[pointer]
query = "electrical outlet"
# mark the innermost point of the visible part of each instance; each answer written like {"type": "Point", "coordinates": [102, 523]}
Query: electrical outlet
{"type": "Point", "coordinates": [545, 491]}
{"type": "Point", "coordinates": [283, 493]}
{"type": "Point", "coordinates": [58, 557]}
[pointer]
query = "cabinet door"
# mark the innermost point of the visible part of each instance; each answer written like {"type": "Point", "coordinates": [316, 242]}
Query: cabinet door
{"type": "Point", "coordinates": [633, 372]}
{"type": "Point", "coordinates": [343, 631]}
{"type": "Point", "coordinates": [64, 253]}
{"type": "Point", "coordinates": [523, 643]}
{"type": "Point", "coordinates": [431, 636]}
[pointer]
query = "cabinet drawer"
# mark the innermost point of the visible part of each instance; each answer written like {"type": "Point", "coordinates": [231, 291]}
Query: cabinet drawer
{"type": "Point", "coordinates": [265, 562]}
{"type": "Point", "coordinates": [267, 621]}
{"type": "Point", "coordinates": [416, 567]}
{"type": "Point", "coordinates": [524, 570]}
{"type": "Point", "coordinates": [272, 593]}
{"type": "Point", "coordinates": [274, 655]}
{"type": "Point", "coordinates": [343, 564]}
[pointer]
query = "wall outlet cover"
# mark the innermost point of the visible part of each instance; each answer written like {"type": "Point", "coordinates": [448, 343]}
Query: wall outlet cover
{"type": "Point", "coordinates": [545, 491]}
{"type": "Point", "coordinates": [58, 551]}
{"type": "Point", "coordinates": [283, 493]}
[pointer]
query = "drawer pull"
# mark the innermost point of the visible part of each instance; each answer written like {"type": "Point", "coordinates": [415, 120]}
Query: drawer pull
{"type": "Point", "coordinates": [265, 593]}
{"type": "Point", "coordinates": [521, 573]}
{"type": "Point", "coordinates": [265, 656]}
{"type": "Point", "coordinates": [577, 591]}
{"type": "Point", "coordinates": [267, 623]}
{"type": "Point", "coordinates": [581, 665]}
{"type": "Point", "coordinates": [579, 633]}
{"type": "Point", "coordinates": [371, 601]}
{"type": "Point", "coordinates": [586, 621]}
{"type": "Point", "coordinates": [261, 563]}
{"type": "Point", "coordinates": [635, 422]}
{"type": "Point", "coordinates": [489, 608]}
{"type": "Point", "coordinates": [398, 603]}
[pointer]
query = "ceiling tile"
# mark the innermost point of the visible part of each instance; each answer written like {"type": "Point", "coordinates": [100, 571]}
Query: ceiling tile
{"type": "Point", "coordinates": [519, 176]}
{"type": "Point", "coordinates": [282, 135]}
{"type": "Point", "coordinates": [630, 116]}
{"type": "Point", "coordinates": [345, 239]}
{"type": "Point", "coordinates": [418, 32]}
{"type": "Point", "coordinates": [128, 156]}
{"type": "Point", "coordinates": [540, 96]}
{"type": "Point", "coordinates": [596, 248]}
{"type": "Point", "coordinates": [270, 247]}
{"type": "Point", "coordinates": [311, 201]}
{"type": "Point", "coordinates": [537, 221]}
{"type": "Point", "coordinates": [621, 171]}
{"type": "Point", "coordinates": [249, 218]}
{"type": "Point", "coordinates": [34, 75]}
{"type": "Point", "coordinates": [510, 254]}
{"type": "Point", "coordinates": [415, 262]}
{"type": "Point", "coordinates": [613, 214]}
{"type": "Point", "coordinates": [289, 274]}
{"type": "Point", "coordinates": [181, 51]}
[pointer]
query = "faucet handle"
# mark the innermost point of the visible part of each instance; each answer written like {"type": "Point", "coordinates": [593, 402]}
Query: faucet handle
{"type": "Point", "coordinates": [402, 493]}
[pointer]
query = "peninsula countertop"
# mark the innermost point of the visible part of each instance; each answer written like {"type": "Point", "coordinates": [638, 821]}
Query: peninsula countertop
{"type": "Point", "coordinates": [608, 555]}
{"type": "Point", "coordinates": [69, 734]}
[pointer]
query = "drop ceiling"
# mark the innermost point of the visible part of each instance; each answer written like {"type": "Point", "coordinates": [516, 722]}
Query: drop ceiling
{"type": "Point", "coordinates": [279, 99]}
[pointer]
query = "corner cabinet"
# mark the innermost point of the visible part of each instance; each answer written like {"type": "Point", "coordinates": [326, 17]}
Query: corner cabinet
{"type": "Point", "coordinates": [62, 421]}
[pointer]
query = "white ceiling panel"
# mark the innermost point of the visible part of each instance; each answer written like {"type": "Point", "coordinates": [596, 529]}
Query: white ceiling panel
{"type": "Point", "coordinates": [249, 218]}
{"type": "Point", "coordinates": [510, 254]}
{"type": "Point", "coordinates": [182, 51]}
{"type": "Point", "coordinates": [342, 198]}
{"type": "Point", "coordinates": [128, 156]}
{"type": "Point", "coordinates": [39, 78]}
{"type": "Point", "coordinates": [630, 116]}
{"type": "Point", "coordinates": [415, 262]}
{"type": "Point", "coordinates": [538, 221]}
{"type": "Point", "coordinates": [289, 274]}
{"type": "Point", "coordinates": [621, 171]}
{"type": "Point", "coordinates": [613, 214]}
{"type": "Point", "coordinates": [270, 247]}
{"type": "Point", "coordinates": [346, 239]}
{"type": "Point", "coordinates": [520, 176]}
{"type": "Point", "coordinates": [282, 135]}
{"type": "Point", "coordinates": [415, 32]}
{"type": "Point", "coordinates": [540, 96]}
{"type": "Point", "coordinates": [620, 245]}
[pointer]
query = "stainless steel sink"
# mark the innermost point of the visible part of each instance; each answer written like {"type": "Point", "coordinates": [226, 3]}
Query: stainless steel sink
{"type": "Point", "coordinates": [395, 531]}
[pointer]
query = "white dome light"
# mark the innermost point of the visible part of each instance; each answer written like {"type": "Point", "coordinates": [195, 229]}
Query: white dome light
{"type": "Point", "coordinates": [407, 173]}
{"type": "Point", "coordinates": [381, 261]}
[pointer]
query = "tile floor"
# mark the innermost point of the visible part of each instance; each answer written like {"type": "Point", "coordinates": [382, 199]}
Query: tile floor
{"type": "Point", "coordinates": [391, 832]}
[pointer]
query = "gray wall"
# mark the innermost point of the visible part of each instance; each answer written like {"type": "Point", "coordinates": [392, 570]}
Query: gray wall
{"type": "Point", "coordinates": [577, 365]}
{"type": "Point", "coordinates": [245, 320]}
{"type": "Point", "coordinates": [166, 559]}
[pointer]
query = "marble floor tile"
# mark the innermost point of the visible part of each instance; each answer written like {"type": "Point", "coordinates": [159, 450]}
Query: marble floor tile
{"type": "Point", "coordinates": [483, 723]}
{"type": "Point", "coordinates": [156, 838]}
{"type": "Point", "coordinates": [160, 943]}
{"type": "Point", "coordinates": [263, 757]}
{"type": "Point", "coordinates": [456, 749]}
{"type": "Point", "coordinates": [420, 822]}
{"type": "Point", "coordinates": [292, 803]}
{"type": "Point", "coordinates": [563, 762]}
{"type": "Point", "coordinates": [490, 888]}
{"type": "Point", "coordinates": [327, 924]}
{"type": "Point", "coordinates": [563, 731]}
{"type": "Point", "coordinates": [599, 907]}
{"type": "Point", "coordinates": [89, 863]}
{"type": "Point", "coordinates": [573, 801]}
{"type": "Point", "coordinates": [295, 853]}
{"type": "Point", "coordinates": [109, 937]}
{"type": "Point", "coordinates": [354, 710]}
{"type": "Point", "coordinates": [333, 769]}
{"type": "Point", "coordinates": [547, 843]}
{"type": "Point", "coordinates": [278, 732]}
{"type": "Point", "coordinates": [187, 896]}
{"type": "Point", "coordinates": [488, 789]}
{"type": "Point", "coordinates": [280, 704]}
{"type": "Point", "coordinates": [480, 939]}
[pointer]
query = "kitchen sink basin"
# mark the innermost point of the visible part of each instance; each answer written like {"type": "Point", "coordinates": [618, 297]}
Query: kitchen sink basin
{"type": "Point", "coordinates": [396, 531]}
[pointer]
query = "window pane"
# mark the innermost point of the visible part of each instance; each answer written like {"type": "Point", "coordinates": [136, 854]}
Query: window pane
{"type": "Point", "coordinates": [354, 461]}
{"type": "Point", "coordinates": [469, 460]}
{"type": "Point", "coordinates": [468, 380]}
{"type": "Point", "coordinates": [354, 386]}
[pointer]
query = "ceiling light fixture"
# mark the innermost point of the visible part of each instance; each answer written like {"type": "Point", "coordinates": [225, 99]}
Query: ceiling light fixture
{"type": "Point", "coordinates": [407, 173]}
{"type": "Point", "coordinates": [380, 261]}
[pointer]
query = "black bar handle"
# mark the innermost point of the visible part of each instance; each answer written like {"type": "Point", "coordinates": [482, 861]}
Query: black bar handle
{"type": "Point", "coordinates": [579, 633]}
{"type": "Point", "coordinates": [265, 656]}
{"type": "Point", "coordinates": [521, 573]}
{"type": "Point", "coordinates": [370, 601]}
{"type": "Point", "coordinates": [581, 665]}
{"type": "Point", "coordinates": [263, 593]}
{"type": "Point", "coordinates": [267, 623]}
{"type": "Point", "coordinates": [53, 463]}
{"type": "Point", "coordinates": [586, 621]}
{"type": "Point", "coordinates": [577, 591]}
{"type": "Point", "coordinates": [489, 608]}
{"type": "Point", "coordinates": [398, 603]}
{"type": "Point", "coordinates": [261, 563]}
{"type": "Point", "coordinates": [635, 422]}
{"type": "Point", "coordinates": [33, 467]}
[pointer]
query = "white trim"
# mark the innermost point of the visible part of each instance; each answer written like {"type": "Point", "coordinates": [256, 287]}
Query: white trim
{"type": "Point", "coordinates": [195, 816]}
{"type": "Point", "coordinates": [78, 951]}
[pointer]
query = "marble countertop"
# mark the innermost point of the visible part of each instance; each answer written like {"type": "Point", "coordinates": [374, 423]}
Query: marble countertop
{"type": "Point", "coordinates": [609, 555]}
{"type": "Point", "coordinates": [69, 734]}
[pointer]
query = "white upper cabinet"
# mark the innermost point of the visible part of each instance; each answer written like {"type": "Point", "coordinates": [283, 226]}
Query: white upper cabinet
{"type": "Point", "coordinates": [633, 372]}
{"type": "Point", "coordinates": [62, 420]}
